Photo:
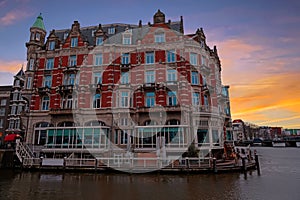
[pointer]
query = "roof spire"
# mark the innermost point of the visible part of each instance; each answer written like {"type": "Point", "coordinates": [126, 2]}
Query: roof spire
{"type": "Point", "coordinates": [39, 23]}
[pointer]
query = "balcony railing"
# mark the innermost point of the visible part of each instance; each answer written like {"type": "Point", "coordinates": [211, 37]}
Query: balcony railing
{"type": "Point", "coordinates": [43, 90]}
{"type": "Point", "coordinates": [96, 86]}
{"type": "Point", "coordinates": [149, 85]}
{"type": "Point", "coordinates": [125, 66]}
{"type": "Point", "coordinates": [66, 89]}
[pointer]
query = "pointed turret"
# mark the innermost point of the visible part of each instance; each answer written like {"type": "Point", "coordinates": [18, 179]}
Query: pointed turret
{"type": "Point", "coordinates": [159, 17]}
{"type": "Point", "coordinates": [39, 23]}
{"type": "Point", "coordinates": [37, 33]}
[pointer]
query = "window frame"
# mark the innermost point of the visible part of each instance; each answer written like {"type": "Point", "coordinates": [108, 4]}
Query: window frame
{"type": "Point", "coordinates": [171, 56]}
{"type": "Point", "coordinates": [74, 42]}
{"type": "Point", "coordinates": [50, 64]}
{"type": "Point", "coordinates": [98, 59]}
{"type": "Point", "coordinates": [150, 58]}
{"type": "Point", "coordinates": [160, 37]}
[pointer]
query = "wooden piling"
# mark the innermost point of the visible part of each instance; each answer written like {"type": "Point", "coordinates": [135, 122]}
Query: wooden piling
{"type": "Point", "coordinates": [257, 164]}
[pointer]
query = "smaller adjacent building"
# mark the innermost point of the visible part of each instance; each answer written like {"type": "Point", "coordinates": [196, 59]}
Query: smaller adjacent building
{"type": "Point", "coordinates": [16, 106]}
{"type": "Point", "coordinates": [4, 110]}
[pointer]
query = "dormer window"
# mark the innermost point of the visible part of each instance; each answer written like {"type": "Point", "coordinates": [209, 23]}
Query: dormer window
{"type": "Point", "coordinates": [51, 45]}
{"type": "Point", "coordinates": [74, 42]}
{"type": "Point", "coordinates": [126, 39]}
{"type": "Point", "coordinates": [99, 41]}
{"type": "Point", "coordinates": [111, 30]}
{"type": "Point", "coordinates": [160, 37]}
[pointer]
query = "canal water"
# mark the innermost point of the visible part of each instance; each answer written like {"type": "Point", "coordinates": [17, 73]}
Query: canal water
{"type": "Point", "coordinates": [279, 179]}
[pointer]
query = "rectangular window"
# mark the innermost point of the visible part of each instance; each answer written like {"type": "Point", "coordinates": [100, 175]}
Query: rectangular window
{"type": "Point", "coordinates": [206, 103]}
{"type": "Point", "coordinates": [215, 136]}
{"type": "Point", "coordinates": [97, 77]}
{"type": "Point", "coordinates": [17, 125]}
{"type": "Point", "coordinates": [195, 78]}
{"type": "Point", "coordinates": [202, 136]}
{"type": "Point", "coordinates": [99, 41]}
{"type": "Point", "coordinates": [150, 76]}
{"type": "Point", "coordinates": [171, 56]}
{"type": "Point", "coordinates": [97, 101]}
{"type": "Point", "coordinates": [125, 58]}
{"type": "Point", "coordinates": [171, 75]}
{"type": "Point", "coordinates": [150, 58]}
{"type": "Point", "coordinates": [69, 79]}
{"type": "Point", "coordinates": [11, 124]}
{"type": "Point", "coordinates": [159, 37]}
{"type": "Point", "coordinates": [111, 30]}
{"type": "Point", "coordinates": [51, 45]}
{"type": "Point", "coordinates": [126, 39]}
{"type": "Point", "coordinates": [150, 99]}
{"type": "Point", "coordinates": [195, 99]}
{"type": "Point", "coordinates": [28, 82]}
{"type": "Point", "coordinates": [45, 103]}
{"type": "Point", "coordinates": [20, 108]}
{"type": "Point", "coordinates": [16, 96]}
{"type": "Point", "coordinates": [172, 101]}
{"type": "Point", "coordinates": [123, 137]}
{"type": "Point", "coordinates": [124, 100]}
{"type": "Point", "coordinates": [193, 59]}
{"type": "Point", "coordinates": [13, 110]}
{"type": "Point", "coordinates": [203, 60]}
{"type": "Point", "coordinates": [31, 64]}
{"type": "Point", "coordinates": [125, 78]}
{"type": "Point", "coordinates": [2, 111]}
{"type": "Point", "coordinates": [50, 63]}
{"type": "Point", "coordinates": [74, 42]}
{"type": "Point", "coordinates": [98, 61]}
{"type": "Point", "coordinates": [38, 36]}
{"type": "Point", "coordinates": [3, 102]}
{"type": "Point", "coordinates": [48, 81]}
{"type": "Point", "coordinates": [204, 80]}
{"type": "Point", "coordinates": [73, 61]}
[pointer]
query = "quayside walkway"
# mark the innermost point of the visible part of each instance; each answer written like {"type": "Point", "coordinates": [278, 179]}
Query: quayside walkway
{"type": "Point", "coordinates": [131, 164]}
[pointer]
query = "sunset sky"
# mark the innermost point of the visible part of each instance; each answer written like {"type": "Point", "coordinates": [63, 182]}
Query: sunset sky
{"type": "Point", "coordinates": [258, 43]}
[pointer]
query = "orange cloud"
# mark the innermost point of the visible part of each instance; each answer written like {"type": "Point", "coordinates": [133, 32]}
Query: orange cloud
{"type": "Point", "coordinates": [277, 102]}
{"type": "Point", "coordinates": [11, 66]}
{"type": "Point", "coordinates": [14, 16]}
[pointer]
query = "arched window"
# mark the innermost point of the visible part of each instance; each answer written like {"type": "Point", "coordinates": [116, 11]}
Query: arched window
{"type": "Point", "coordinates": [45, 103]}
{"type": "Point", "coordinates": [97, 101]}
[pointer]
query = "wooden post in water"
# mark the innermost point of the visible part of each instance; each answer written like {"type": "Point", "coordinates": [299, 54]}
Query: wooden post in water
{"type": "Point", "coordinates": [96, 163]}
{"type": "Point", "coordinates": [244, 164]}
{"type": "Point", "coordinates": [215, 165]}
{"type": "Point", "coordinates": [257, 164]}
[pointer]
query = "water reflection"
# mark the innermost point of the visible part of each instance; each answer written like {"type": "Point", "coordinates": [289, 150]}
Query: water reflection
{"type": "Point", "coordinates": [279, 180]}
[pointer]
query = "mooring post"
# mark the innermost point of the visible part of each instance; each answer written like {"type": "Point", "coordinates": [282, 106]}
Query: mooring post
{"type": "Point", "coordinates": [215, 165]}
{"type": "Point", "coordinates": [96, 163]}
{"type": "Point", "coordinates": [41, 161]}
{"type": "Point", "coordinates": [244, 164]}
{"type": "Point", "coordinates": [257, 164]}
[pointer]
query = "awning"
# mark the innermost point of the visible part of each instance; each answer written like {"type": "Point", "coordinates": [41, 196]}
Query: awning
{"type": "Point", "coordinates": [11, 137]}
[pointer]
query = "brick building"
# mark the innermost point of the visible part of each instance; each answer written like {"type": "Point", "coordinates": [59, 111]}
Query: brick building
{"type": "Point", "coordinates": [4, 110]}
{"type": "Point", "coordinates": [115, 88]}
